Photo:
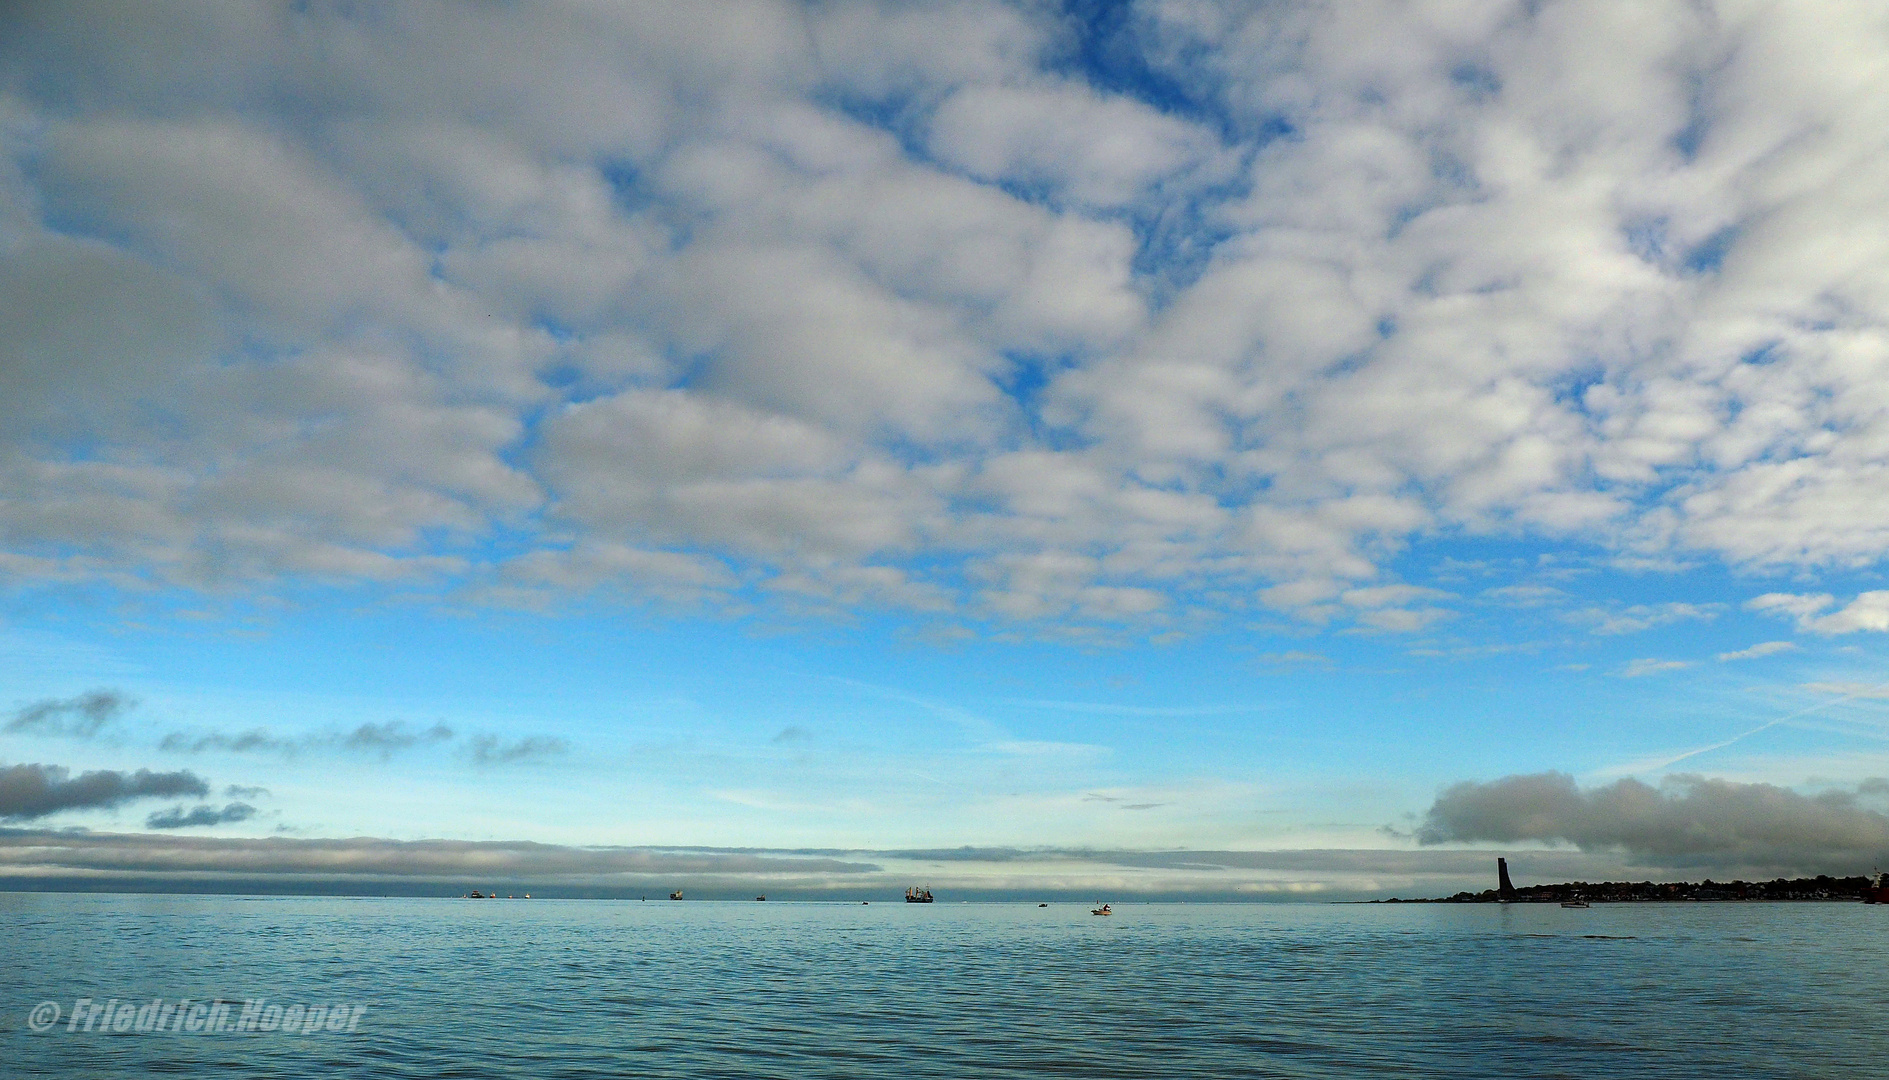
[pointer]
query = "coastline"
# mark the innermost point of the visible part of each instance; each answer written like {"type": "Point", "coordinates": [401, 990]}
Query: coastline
{"type": "Point", "coordinates": [1853, 889]}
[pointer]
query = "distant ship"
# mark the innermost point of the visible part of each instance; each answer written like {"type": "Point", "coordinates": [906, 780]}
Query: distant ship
{"type": "Point", "coordinates": [1878, 891]}
{"type": "Point", "coordinates": [918, 896]}
{"type": "Point", "coordinates": [677, 895]}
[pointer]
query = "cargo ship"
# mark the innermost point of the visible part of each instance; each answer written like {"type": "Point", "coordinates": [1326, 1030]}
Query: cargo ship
{"type": "Point", "coordinates": [1878, 891]}
{"type": "Point", "coordinates": [917, 896]}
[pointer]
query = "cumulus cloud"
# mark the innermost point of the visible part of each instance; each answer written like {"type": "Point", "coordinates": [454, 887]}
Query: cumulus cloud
{"type": "Point", "coordinates": [1687, 818]}
{"type": "Point", "coordinates": [1868, 611]}
{"type": "Point", "coordinates": [81, 717]}
{"type": "Point", "coordinates": [35, 791]}
{"type": "Point", "coordinates": [1087, 147]}
{"type": "Point", "coordinates": [846, 307]}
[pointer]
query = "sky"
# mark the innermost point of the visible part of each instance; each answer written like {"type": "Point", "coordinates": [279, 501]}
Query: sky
{"type": "Point", "coordinates": [1269, 451]}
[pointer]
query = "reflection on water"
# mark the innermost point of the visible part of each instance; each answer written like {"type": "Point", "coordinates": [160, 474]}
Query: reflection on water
{"type": "Point", "coordinates": [603, 988]}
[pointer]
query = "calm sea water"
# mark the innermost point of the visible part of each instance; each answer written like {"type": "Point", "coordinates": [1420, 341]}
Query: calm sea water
{"type": "Point", "coordinates": [545, 988]}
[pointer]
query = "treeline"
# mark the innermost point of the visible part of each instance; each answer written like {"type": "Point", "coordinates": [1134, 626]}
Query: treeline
{"type": "Point", "coordinates": [1821, 887]}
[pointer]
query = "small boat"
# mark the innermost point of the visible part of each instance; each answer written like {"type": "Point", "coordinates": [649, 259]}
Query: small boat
{"type": "Point", "coordinates": [918, 896]}
{"type": "Point", "coordinates": [677, 895]}
{"type": "Point", "coordinates": [760, 898]}
{"type": "Point", "coordinates": [1103, 910]}
{"type": "Point", "coordinates": [1575, 903]}
{"type": "Point", "coordinates": [1042, 905]}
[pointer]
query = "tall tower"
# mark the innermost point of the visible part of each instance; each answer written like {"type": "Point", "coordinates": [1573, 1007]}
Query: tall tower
{"type": "Point", "coordinates": [1504, 887]}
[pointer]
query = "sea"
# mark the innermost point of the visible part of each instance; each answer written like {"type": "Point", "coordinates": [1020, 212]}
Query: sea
{"type": "Point", "coordinates": [604, 988]}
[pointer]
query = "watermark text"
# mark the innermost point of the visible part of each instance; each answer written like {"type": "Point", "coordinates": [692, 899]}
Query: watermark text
{"type": "Point", "coordinates": [189, 1016]}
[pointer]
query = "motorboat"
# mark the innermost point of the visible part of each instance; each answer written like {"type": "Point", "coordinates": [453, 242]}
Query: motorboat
{"type": "Point", "coordinates": [1103, 910]}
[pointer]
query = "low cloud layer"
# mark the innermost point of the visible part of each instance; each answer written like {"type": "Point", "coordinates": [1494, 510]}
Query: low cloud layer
{"type": "Point", "coordinates": [363, 858]}
{"type": "Point", "coordinates": [35, 791]}
{"type": "Point", "coordinates": [1687, 820]}
{"type": "Point", "coordinates": [362, 865]}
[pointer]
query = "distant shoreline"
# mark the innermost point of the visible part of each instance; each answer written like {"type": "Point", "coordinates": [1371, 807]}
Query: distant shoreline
{"type": "Point", "coordinates": [1822, 887]}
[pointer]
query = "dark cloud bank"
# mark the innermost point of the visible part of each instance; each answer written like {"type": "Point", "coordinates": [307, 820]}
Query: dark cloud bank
{"type": "Point", "coordinates": [1688, 821]}
{"type": "Point", "coordinates": [35, 791]}
{"type": "Point", "coordinates": [179, 818]}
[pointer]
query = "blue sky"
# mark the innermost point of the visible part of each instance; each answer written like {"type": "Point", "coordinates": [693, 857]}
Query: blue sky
{"type": "Point", "coordinates": [878, 428]}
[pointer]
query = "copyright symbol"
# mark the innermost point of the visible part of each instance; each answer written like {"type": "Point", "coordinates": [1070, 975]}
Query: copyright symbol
{"type": "Point", "coordinates": [44, 1016]}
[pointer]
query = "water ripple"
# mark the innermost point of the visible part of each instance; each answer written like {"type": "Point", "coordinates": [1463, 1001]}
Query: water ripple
{"type": "Point", "coordinates": [585, 989]}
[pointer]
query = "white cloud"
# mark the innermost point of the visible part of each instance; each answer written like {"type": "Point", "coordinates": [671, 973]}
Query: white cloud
{"type": "Point", "coordinates": [1386, 595]}
{"type": "Point", "coordinates": [1639, 668]}
{"type": "Point", "coordinates": [1635, 618]}
{"type": "Point", "coordinates": [1800, 606]}
{"type": "Point", "coordinates": [1849, 689]}
{"type": "Point", "coordinates": [1763, 648]}
{"type": "Point", "coordinates": [1868, 611]}
{"type": "Point", "coordinates": [867, 305]}
{"type": "Point", "coordinates": [1091, 148]}
{"type": "Point", "coordinates": [1525, 596]}
{"type": "Point", "coordinates": [1403, 620]}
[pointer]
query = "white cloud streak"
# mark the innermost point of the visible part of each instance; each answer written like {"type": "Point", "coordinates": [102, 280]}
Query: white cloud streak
{"type": "Point", "coordinates": [1761, 649]}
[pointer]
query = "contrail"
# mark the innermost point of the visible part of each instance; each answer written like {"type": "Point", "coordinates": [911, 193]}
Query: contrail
{"type": "Point", "coordinates": [1767, 725]}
